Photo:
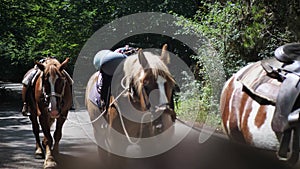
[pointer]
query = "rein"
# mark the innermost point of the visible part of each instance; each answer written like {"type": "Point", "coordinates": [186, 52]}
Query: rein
{"type": "Point", "coordinates": [124, 127]}
{"type": "Point", "coordinates": [143, 117]}
{"type": "Point", "coordinates": [102, 113]}
{"type": "Point", "coordinates": [125, 89]}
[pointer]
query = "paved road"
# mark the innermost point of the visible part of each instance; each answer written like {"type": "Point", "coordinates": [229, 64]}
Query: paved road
{"type": "Point", "coordinates": [78, 151]}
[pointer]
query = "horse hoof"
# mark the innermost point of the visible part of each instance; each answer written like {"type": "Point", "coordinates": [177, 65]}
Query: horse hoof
{"type": "Point", "coordinates": [39, 154]}
{"type": "Point", "coordinates": [50, 164]}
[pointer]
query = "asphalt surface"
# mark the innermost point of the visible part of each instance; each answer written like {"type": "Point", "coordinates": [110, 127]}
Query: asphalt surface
{"type": "Point", "coordinates": [78, 150]}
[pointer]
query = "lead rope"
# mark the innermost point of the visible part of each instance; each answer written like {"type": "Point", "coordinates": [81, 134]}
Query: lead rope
{"type": "Point", "coordinates": [121, 117]}
{"type": "Point", "coordinates": [103, 112]}
{"type": "Point", "coordinates": [124, 127]}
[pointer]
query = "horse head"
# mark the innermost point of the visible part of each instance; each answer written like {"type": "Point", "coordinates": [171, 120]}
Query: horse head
{"type": "Point", "coordinates": [53, 84]}
{"type": "Point", "coordinates": [151, 87]}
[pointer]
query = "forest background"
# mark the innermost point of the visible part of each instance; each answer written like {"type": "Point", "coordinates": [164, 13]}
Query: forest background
{"type": "Point", "coordinates": [241, 31]}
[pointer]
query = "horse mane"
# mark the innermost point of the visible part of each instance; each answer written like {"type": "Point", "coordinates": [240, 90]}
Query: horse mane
{"type": "Point", "coordinates": [52, 66]}
{"type": "Point", "coordinates": [156, 66]}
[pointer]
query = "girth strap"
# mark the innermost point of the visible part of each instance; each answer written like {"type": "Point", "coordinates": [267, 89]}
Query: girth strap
{"type": "Point", "coordinates": [286, 99]}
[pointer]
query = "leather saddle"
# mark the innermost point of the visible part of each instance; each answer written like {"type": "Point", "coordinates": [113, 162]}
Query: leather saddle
{"type": "Point", "coordinates": [277, 81]}
{"type": "Point", "coordinates": [286, 68]}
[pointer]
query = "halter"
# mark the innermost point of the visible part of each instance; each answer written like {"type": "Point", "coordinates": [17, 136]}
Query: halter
{"type": "Point", "coordinates": [54, 94]}
{"type": "Point", "coordinates": [145, 97]}
{"type": "Point", "coordinates": [150, 112]}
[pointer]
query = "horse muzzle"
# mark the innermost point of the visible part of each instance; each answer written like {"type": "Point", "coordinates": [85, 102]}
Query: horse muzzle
{"type": "Point", "coordinates": [54, 113]}
{"type": "Point", "coordinates": [165, 108]}
{"type": "Point", "coordinates": [54, 107]}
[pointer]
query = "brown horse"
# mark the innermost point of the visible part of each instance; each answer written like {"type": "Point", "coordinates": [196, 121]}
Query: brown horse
{"type": "Point", "coordinates": [141, 88]}
{"type": "Point", "coordinates": [248, 107]}
{"type": "Point", "coordinates": [48, 99]}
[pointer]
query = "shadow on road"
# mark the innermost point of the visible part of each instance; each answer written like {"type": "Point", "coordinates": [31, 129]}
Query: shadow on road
{"type": "Point", "coordinates": [17, 146]}
{"type": "Point", "coordinates": [216, 153]}
{"type": "Point", "coordinates": [17, 143]}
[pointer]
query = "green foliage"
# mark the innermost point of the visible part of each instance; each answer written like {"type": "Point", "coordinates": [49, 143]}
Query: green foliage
{"type": "Point", "coordinates": [34, 29]}
{"type": "Point", "coordinates": [188, 98]}
{"type": "Point", "coordinates": [196, 102]}
{"type": "Point", "coordinates": [236, 32]}
{"type": "Point", "coordinates": [240, 32]}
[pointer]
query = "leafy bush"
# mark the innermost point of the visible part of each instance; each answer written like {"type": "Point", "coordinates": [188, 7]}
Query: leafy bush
{"type": "Point", "coordinates": [239, 32]}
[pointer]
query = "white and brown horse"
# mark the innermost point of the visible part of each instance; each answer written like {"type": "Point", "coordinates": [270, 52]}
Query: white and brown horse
{"type": "Point", "coordinates": [246, 117]}
{"type": "Point", "coordinates": [48, 99]}
{"type": "Point", "coordinates": [141, 88]}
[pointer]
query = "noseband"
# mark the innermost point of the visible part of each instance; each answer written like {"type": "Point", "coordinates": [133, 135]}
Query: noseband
{"type": "Point", "coordinates": [151, 111]}
{"type": "Point", "coordinates": [46, 96]}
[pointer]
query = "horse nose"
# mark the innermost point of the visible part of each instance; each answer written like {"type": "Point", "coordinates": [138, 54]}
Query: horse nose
{"type": "Point", "coordinates": [54, 114]}
{"type": "Point", "coordinates": [53, 108]}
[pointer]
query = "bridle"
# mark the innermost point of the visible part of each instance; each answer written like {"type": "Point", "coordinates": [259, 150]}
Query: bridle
{"type": "Point", "coordinates": [157, 123]}
{"type": "Point", "coordinates": [46, 96]}
{"type": "Point", "coordinates": [132, 92]}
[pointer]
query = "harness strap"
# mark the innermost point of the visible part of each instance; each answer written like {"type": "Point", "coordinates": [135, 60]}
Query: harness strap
{"type": "Point", "coordinates": [271, 67]}
{"type": "Point", "coordinates": [54, 94]}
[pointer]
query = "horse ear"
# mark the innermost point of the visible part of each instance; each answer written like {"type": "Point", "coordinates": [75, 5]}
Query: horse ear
{"type": "Point", "coordinates": [142, 59]}
{"type": "Point", "coordinates": [64, 64]}
{"type": "Point", "coordinates": [40, 66]}
{"type": "Point", "coordinates": [165, 56]}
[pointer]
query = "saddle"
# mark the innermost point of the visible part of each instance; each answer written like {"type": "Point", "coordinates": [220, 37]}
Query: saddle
{"type": "Point", "coordinates": [276, 81]}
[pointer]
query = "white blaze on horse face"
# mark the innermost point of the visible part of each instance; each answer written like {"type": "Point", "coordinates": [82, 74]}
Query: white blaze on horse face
{"type": "Point", "coordinates": [52, 104]}
{"type": "Point", "coordinates": [162, 92]}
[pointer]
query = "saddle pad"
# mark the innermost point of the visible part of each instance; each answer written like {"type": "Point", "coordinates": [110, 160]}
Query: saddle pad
{"type": "Point", "coordinates": [256, 80]}
{"type": "Point", "coordinates": [94, 95]}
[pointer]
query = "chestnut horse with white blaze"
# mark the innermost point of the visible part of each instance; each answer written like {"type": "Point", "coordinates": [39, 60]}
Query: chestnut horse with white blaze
{"type": "Point", "coordinates": [49, 99]}
{"type": "Point", "coordinates": [141, 88]}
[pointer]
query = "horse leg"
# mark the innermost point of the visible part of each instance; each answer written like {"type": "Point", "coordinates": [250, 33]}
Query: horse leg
{"type": "Point", "coordinates": [47, 142]}
{"type": "Point", "coordinates": [39, 153]}
{"type": "Point", "coordinates": [58, 133]}
{"type": "Point", "coordinates": [25, 105]}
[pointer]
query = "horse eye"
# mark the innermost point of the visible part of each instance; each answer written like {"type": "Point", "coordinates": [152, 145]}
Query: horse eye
{"type": "Point", "coordinates": [146, 82]}
{"type": "Point", "coordinates": [59, 81]}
